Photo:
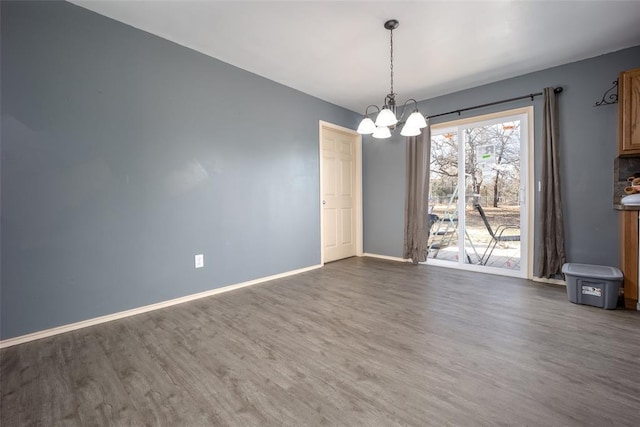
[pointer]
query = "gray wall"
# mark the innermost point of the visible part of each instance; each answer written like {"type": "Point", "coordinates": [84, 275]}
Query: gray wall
{"type": "Point", "coordinates": [588, 148]}
{"type": "Point", "coordinates": [124, 155]}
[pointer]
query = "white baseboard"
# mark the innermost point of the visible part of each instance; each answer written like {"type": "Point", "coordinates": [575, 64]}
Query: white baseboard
{"type": "Point", "coordinates": [549, 281]}
{"type": "Point", "coordinates": [388, 258]}
{"type": "Point", "coordinates": [139, 310]}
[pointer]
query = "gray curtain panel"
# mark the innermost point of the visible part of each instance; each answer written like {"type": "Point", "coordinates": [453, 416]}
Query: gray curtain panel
{"type": "Point", "coordinates": [551, 253]}
{"type": "Point", "coordinates": [416, 231]}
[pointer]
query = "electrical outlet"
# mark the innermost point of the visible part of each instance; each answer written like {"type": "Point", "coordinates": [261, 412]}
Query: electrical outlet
{"type": "Point", "coordinates": [199, 260]}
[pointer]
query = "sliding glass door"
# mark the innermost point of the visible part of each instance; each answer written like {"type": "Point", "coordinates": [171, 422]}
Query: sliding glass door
{"type": "Point", "coordinates": [479, 192]}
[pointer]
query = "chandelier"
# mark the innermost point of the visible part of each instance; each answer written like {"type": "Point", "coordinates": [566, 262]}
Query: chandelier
{"type": "Point", "coordinates": [387, 119]}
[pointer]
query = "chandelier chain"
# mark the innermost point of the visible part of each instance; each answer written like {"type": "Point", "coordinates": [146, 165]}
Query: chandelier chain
{"type": "Point", "coordinates": [391, 62]}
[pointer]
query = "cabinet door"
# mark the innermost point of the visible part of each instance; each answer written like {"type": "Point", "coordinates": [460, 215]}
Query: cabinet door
{"type": "Point", "coordinates": [629, 256]}
{"type": "Point", "coordinates": [629, 112]}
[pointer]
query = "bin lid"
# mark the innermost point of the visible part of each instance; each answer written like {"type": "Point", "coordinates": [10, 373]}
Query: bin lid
{"type": "Point", "coordinates": [593, 271]}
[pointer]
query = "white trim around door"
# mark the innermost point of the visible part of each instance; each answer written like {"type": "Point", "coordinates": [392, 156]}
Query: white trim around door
{"type": "Point", "coordinates": [527, 195]}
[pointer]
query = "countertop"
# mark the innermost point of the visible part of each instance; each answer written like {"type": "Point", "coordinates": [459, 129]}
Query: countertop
{"type": "Point", "coordinates": [621, 207]}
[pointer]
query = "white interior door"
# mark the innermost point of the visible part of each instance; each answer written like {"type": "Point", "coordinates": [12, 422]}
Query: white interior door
{"type": "Point", "coordinates": [339, 201]}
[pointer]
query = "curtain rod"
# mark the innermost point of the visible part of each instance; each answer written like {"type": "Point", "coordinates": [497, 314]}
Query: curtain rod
{"type": "Point", "coordinates": [531, 95]}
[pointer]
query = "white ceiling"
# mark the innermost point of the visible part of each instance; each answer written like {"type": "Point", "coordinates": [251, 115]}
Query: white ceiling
{"type": "Point", "coordinates": [339, 50]}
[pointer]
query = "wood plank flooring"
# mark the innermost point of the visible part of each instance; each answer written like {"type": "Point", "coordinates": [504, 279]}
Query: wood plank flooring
{"type": "Point", "coordinates": [360, 342]}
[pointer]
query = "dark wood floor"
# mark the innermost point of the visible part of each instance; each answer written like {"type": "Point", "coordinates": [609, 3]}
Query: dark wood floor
{"type": "Point", "coordinates": [360, 342]}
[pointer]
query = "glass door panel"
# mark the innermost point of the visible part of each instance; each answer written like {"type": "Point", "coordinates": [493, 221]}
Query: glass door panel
{"type": "Point", "coordinates": [443, 197]}
{"type": "Point", "coordinates": [477, 198]}
{"type": "Point", "coordinates": [492, 199]}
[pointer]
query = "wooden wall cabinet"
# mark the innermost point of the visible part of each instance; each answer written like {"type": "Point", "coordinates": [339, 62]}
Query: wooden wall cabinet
{"type": "Point", "coordinates": [629, 144]}
{"type": "Point", "coordinates": [629, 112]}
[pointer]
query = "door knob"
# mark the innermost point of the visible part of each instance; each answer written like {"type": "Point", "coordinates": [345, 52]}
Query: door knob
{"type": "Point", "coordinates": [324, 202]}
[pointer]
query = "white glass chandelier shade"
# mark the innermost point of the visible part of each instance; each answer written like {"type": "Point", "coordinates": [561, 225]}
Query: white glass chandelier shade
{"type": "Point", "coordinates": [386, 118]}
{"type": "Point", "coordinates": [410, 131]}
{"type": "Point", "coordinates": [382, 132]}
{"type": "Point", "coordinates": [416, 120]}
{"type": "Point", "coordinates": [366, 127]}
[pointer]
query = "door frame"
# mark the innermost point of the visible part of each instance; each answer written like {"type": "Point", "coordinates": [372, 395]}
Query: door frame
{"type": "Point", "coordinates": [358, 184]}
{"type": "Point", "coordinates": [530, 186]}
